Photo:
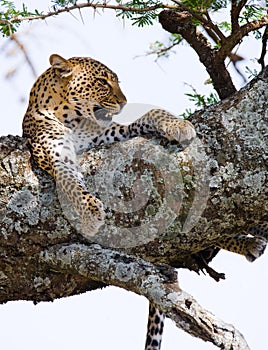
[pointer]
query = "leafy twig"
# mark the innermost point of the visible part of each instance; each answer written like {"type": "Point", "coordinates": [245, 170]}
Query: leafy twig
{"type": "Point", "coordinates": [15, 17]}
{"type": "Point", "coordinates": [14, 38]}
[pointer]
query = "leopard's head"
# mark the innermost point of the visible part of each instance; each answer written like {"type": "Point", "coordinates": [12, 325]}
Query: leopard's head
{"type": "Point", "coordinates": [89, 86]}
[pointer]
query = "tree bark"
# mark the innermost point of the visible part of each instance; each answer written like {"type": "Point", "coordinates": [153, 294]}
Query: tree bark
{"type": "Point", "coordinates": [165, 208]}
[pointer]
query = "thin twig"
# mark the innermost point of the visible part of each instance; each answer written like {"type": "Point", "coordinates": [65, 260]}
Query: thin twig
{"type": "Point", "coordinates": [14, 38]}
{"type": "Point", "coordinates": [88, 5]}
{"type": "Point", "coordinates": [159, 52]}
{"type": "Point", "coordinates": [264, 48]}
{"type": "Point", "coordinates": [241, 4]}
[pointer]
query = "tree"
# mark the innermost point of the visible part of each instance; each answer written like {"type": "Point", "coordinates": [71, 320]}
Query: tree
{"type": "Point", "coordinates": [224, 223]}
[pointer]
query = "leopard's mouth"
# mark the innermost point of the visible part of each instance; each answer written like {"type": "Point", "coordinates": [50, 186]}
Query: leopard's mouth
{"type": "Point", "coordinates": [103, 116]}
{"type": "Point", "coordinates": [102, 113]}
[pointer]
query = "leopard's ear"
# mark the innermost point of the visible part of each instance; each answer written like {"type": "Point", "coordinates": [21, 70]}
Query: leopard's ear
{"type": "Point", "coordinates": [62, 67]}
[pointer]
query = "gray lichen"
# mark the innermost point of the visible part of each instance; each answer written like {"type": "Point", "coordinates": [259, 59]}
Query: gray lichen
{"type": "Point", "coordinates": [26, 205]}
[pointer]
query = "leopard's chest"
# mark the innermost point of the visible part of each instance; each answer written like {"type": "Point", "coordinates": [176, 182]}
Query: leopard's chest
{"type": "Point", "coordinates": [85, 132]}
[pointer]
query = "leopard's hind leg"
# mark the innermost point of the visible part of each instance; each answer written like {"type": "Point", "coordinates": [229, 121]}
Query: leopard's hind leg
{"type": "Point", "coordinates": [249, 246]}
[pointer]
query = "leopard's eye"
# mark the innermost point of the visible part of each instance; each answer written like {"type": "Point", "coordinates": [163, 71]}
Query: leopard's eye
{"type": "Point", "coordinates": [103, 81]}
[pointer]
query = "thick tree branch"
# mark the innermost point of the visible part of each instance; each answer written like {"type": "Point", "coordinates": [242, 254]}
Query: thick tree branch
{"type": "Point", "coordinates": [178, 206]}
{"type": "Point", "coordinates": [181, 23]}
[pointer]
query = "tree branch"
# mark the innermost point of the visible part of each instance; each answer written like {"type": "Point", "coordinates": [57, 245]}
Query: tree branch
{"type": "Point", "coordinates": [205, 22]}
{"type": "Point", "coordinates": [235, 37]}
{"type": "Point", "coordinates": [177, 208]}
{"type": "Point", "coordinates": [181, 23]}
{"type": "Point", "coordinates": [264, 48]}
{"type": "Point", "coordinates": [94, 6]}
{"type": "Point", "coordinates": [14, 38]}
{"type": "Point", "coordinates": [235, 12]}
{"type": "Point", "coordinates": [117, 269]}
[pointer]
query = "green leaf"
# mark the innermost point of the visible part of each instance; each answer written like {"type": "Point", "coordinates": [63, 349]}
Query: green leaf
{"type": "Point", "coordinates": [10, 17]}
{"type": "Point", "coordinates": [252, 12]}
{"type": "Point", "coordinates": [202, 101]}
{"type": "Point", "coordinates": [226, 26]}
{"type": "Point", "coordinates": [144, 18]}
{"type": "Point", "coordinates": [201, 6]}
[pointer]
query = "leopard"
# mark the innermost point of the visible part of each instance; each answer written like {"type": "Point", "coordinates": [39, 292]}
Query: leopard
{"type": "Point", "coordinates": [71, 109]}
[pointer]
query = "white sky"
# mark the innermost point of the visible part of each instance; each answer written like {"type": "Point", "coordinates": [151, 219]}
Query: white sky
{"type": "Point", "coordinates": [114, 318]}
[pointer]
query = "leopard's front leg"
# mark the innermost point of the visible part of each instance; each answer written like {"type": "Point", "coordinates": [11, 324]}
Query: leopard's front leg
{"type": "Point", "coordinates": [56, 155]}
{"type": "Point", "coordinates": [155, 122]}
{"type": "Point", "coordinates": [161, 122]}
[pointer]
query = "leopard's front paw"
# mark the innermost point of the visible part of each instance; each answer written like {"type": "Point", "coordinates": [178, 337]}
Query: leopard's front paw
{"type": "Point", "coordinates": [179, 130]}
{"type": "Point", "coordinates": [93, 217]}
{"type": "Point", "coordinates": [187, 132]}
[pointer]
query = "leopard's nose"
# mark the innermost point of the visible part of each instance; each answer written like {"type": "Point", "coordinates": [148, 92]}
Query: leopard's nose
{"type": "Point", "coordinates": [122, 104]}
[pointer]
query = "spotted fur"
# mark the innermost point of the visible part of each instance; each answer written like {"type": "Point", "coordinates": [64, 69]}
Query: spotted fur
{"type": "Point", "coordinates": [155, 328]}
{"type": "Point", "coordinates": [251, 244]}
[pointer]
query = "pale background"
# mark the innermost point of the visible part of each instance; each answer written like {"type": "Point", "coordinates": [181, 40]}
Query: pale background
{"type": "Point", "coordinates": [114, 318]}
